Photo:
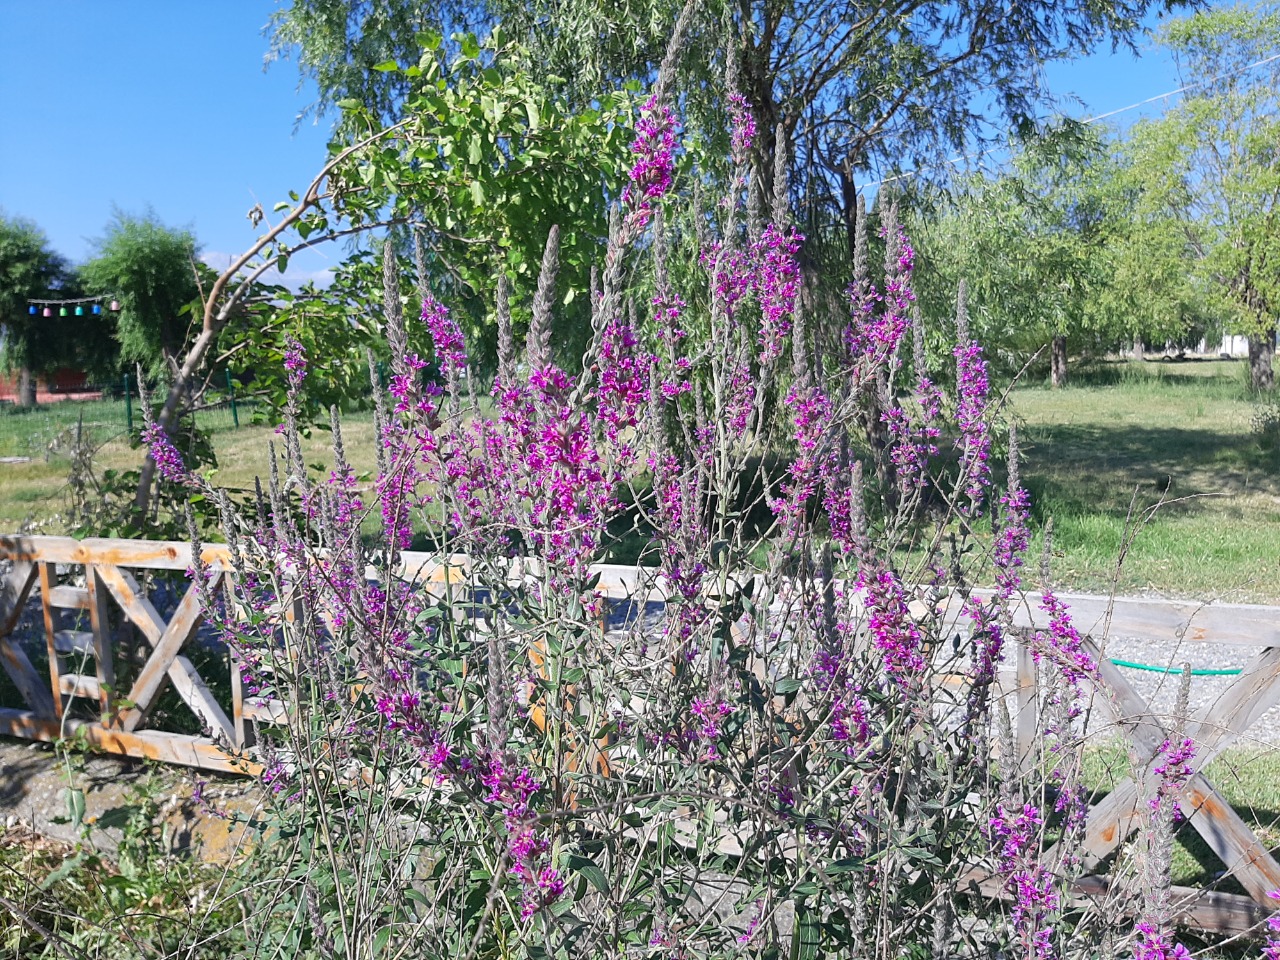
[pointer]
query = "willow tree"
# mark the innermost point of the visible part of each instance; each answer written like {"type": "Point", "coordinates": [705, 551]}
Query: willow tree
{"type": "Point", "coordinates": [1213, 163]}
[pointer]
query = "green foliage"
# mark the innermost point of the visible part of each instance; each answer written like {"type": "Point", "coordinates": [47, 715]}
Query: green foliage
{"type": "Point", "coordinates": [1212, 160]}
{"type": "Point", "coordinates": [39, 344]}
{"type": "Point", "coordinates": [153, 270]}
{"type": "Point", "coordinates": [485, 162]}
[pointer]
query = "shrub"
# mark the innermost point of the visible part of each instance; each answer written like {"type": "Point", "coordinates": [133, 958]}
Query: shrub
{"type": "Point", "coordinates": [775, 765]}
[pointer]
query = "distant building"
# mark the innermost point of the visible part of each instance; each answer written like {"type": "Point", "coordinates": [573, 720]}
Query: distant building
{"type": "Point", "coordinates": [63, 384]}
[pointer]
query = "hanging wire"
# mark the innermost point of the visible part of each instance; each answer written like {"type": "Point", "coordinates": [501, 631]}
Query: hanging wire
{"type": "Point", "coordinates": [59, 303]}
{"type": "Point", "coordinates": [1088, 120]}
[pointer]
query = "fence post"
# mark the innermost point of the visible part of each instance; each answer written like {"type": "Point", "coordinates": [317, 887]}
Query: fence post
{"type": "Point", "coordinates": [128, 407]}
{"type": "Point", "coordinates": [231, 395]}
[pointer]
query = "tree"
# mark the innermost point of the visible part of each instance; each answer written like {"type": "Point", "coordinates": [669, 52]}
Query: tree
{"type": "Point", "coordinates": [1055, 252]}
{"type": "Point", "coordinates": [153, 271]}
{"type": "Point", "coordinates": [1212, 162]}
{"type": "Point", "coordinates": [853, 86]}
{"type": "Point", "coordinates": [483, 165]}
{"type": "Point", "coordinates": [33, 343]}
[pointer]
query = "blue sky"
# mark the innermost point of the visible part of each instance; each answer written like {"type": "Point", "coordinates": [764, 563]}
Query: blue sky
{"type": "Point", "coordinates": [166, 103]}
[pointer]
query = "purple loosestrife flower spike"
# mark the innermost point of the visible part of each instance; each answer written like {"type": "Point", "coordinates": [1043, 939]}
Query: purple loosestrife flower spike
{"type": "Point", "coordinates": [654, 150]}
{"type": "Point", "coordinates": [781, 179]}
{"type": "Point", "coordinates": [538, 346]}
{"type": "Point", "coordinates": [393, 312]}
{"type": "Point", "coordinates": [506, 336]}
{"type": "Point", "coordinates": [168, 460]}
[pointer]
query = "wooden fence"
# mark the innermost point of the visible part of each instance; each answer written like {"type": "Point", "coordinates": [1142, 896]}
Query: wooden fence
{"type": "Point", "coordinates": [95, 575]}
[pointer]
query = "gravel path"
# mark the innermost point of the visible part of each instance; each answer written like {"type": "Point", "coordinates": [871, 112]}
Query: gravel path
{"type": "Point", "coordinates": [1160, 690]}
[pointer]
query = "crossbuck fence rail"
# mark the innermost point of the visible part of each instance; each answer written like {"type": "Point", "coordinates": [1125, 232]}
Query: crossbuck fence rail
{"type": "Point", "coordinates": [95, 575]}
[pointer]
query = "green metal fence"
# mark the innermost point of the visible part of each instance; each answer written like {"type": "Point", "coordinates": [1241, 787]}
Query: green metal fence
{"type": "Point", "coordinates": [98, 413]}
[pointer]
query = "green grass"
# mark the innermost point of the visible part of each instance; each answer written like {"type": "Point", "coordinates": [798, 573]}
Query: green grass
{"type": "Point", "coordinates": [1165, 453]}
{"type": "Point", "coordinates": [1247, 776]}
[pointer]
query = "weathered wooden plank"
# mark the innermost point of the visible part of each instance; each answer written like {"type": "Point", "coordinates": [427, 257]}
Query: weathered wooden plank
{"type": "Point", "coordinates": [192, 688]}
{"type": "Point", "coordinates": [185, 678]}
{"type": "Point", "coordinates": [186, 620]}
{"type": "Point", "coordinates": [1207, 910]}
{"type": "Point", "coordinates": [1250, 695]}
{"type": "Point", "coordinates": [69, 598]}
{"type": "Point", "coordinates": [14, 590]}
{"type": "Point", "coordinates": [1244, 855]}
{"type": "Point", "coordinates": [73, 643]}
{"type": "Point", "coordinates": [33, 688]}
{"type": "Point", "coordinates": [100, 622]}
{"type": "Point", "coordinates": [151, 554]}
{"type": "Point", "coordinates": [80, 685]}
{"type": "Point", "coordinates": [52, 624]}
{"type": "Point", "coordinates": [150, 744]}
{"type": "Point", "coordinates": [124, 588]}
{"type": "Point", "coordinates": [1025, 723]}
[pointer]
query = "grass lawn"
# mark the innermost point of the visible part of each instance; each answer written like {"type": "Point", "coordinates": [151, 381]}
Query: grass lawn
{"type": "Point", "coordinates": [1248, 777]}
{"type": "Point", "coordinates": [1164, 449]}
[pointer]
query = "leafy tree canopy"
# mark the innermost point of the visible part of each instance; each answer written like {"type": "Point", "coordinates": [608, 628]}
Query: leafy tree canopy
{"type": "Point", "coordinates": [36, 344]}
{"type": "Point", "coordinates": [153, 270]}
{"type": "Point", "coordinates": [1213, 163]}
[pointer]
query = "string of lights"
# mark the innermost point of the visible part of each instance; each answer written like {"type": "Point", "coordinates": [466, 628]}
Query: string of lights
{"type": "Point", "coordinates": [35, 304]}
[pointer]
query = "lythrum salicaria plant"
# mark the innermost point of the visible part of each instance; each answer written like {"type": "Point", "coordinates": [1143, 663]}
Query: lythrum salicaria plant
{"type": "Point", "coordinates": [480, 752]}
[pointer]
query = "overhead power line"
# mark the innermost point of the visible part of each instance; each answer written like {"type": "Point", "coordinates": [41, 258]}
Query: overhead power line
{"type": "Point", "coordinates": [1094, 119]}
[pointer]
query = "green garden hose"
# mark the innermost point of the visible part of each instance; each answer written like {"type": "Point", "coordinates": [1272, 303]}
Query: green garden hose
{"type": "Point", "coordinates": [1155, 669]}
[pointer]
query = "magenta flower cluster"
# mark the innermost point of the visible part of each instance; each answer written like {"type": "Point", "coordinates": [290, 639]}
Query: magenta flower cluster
{"type": "Point", "coordinates": [168, 460]}
{"type": "Point", "coordinates": [527, 850]}
{"type": "Point", "coordinates": [654, 149]}
{"type": "Point", "coordinates": [1173, 771]}
{"type": "Point", "coordinates": [1016, 836]}
{"type": "Point", "coordinates": [1154, 945]}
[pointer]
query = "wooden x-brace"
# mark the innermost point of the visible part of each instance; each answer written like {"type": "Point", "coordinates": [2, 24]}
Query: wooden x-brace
{"type": "Point", "coordinates": [1255, 691]}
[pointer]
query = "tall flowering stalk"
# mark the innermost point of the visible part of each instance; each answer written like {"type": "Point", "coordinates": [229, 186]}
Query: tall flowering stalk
{"type": "Point", "coordinates": [496, 759]}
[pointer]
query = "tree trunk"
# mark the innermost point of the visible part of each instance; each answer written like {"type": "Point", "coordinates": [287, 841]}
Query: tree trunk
{"type": "Point", "coordinates": [1058, 360]}
{"type": "Point", "coordinates": [26, 388]}
{"type": "Point", "coordinates": [1262, 351]}
{"type": "Point", "coordinates": [1139, 349]}
{"type": "Point", "coordinates": [172, 408]}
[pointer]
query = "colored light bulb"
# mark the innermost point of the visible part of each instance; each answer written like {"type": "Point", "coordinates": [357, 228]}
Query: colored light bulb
{"type": "Point", "coordinates": [97, 309]}
{"type": "Point", "coordinates": [33, 309]}
{"type": "Point", "coordinates": [79, 311]}
{"type": "Point", "coordinates": [62, 311]}
{"type": "Point", "coordinates": [48, 311]}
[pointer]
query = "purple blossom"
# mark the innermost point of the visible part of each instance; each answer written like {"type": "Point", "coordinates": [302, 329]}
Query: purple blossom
{"type": "Point", "coordinates": [166, 456]}
{"type": "Point", "coordinates": [654, 149]}
{"type": "Point", "coordinates": [1016, 838]}
{"type": "Point", "coordinates": [708, 713]}
{"type": "Point", "coordinates": [757, 916]}
{"type": "Point", "coordinates": [1174, 770]}
{"type": "Point", "coordinates": [1271, 951]}
{"type": "Point", "coordinates": [446, 335]}
{"type": "Point", "coordinates": [1154, 945]}
{"type": "Point", "coordinates": [892, 629]}
{"type": "Point", "coordinates": [776, 278]}
{"type": "Point", "coordinates": [295, 363]}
